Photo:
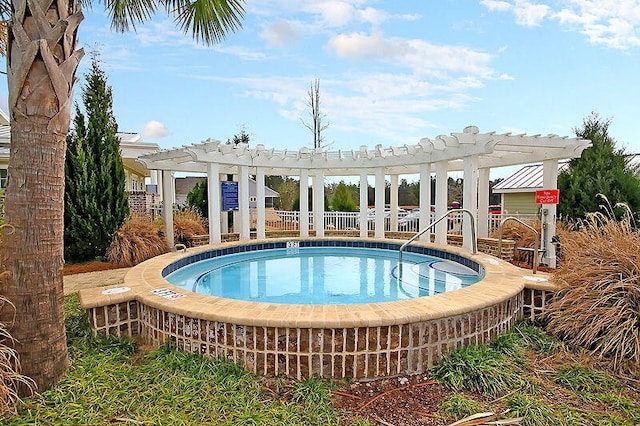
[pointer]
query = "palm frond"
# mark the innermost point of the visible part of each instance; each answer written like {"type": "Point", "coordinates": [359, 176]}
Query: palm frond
{"type": "Point", "coordinates": [208, 21]}
{"type": "Point", "coordinates": [125, 14]}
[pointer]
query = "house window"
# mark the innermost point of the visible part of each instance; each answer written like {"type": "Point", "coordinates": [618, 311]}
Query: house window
{"type": "Point", "coordinates": [3, 178]}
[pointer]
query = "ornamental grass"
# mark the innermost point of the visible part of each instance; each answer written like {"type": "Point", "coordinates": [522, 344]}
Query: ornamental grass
{"type": "Point", "coordinates": [188, 223]}
{"type": "Point", "coordinates": [137, 240]}
{"type": "Point", "coordinates": [598, 306]}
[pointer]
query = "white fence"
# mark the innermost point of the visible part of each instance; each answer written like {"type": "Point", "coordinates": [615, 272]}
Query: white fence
{"type": "Point", "coordinates": [290, 220]}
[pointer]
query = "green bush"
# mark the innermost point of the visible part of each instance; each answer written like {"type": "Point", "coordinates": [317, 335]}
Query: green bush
{"type": "Point", "coordinates": [478, 368]}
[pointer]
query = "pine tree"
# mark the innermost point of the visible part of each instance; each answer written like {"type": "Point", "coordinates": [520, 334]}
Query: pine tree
{"type": "Point", "coordinates": [95, 197]}
{"type": "Point", "coordinates": [342, 200]}
{"type": "Point", "coordinates": [601, 169]}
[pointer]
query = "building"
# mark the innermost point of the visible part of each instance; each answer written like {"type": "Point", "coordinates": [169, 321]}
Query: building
{"type": "Point", "coordinates": [518, 191]}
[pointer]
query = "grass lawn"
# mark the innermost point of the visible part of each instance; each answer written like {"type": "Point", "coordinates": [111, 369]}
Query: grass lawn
{"type": "Point", "coordinates": [110, 381]}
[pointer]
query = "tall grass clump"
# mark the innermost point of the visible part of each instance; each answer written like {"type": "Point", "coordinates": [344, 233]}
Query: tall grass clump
{"type": "Point", "coordinates": [186, 224]}
{"type": "Point", "coordinates": [137, 240]}
{"type": "Point", "coordinates": [598, 306]}
{"type": "Point", "coordinates": [10, 378]}
{"type": "Point", "coordinates": [478, 368]}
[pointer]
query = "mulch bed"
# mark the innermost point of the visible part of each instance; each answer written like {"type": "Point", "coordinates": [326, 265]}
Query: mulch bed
{"type": "Point", "coordinates": [93, 266]}
{"type": "Point", "coordinates": [411, 400]}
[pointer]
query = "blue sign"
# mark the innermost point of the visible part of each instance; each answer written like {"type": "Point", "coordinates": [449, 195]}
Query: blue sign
{"type": "Point", "coordinates": [229, 195]}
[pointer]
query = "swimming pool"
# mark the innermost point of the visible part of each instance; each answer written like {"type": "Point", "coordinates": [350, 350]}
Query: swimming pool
{"type": "Point", "coordinates": [323, 275]}
{"type": "Point", "coordinates": [358, 340]}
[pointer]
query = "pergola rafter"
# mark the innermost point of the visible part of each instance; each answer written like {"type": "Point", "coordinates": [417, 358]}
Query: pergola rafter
{"type": "Point", "coordinates": [469, 151]}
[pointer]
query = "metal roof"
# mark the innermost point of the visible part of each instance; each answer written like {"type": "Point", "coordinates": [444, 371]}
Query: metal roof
{"type": "Point", "coordinates": [529, 178]}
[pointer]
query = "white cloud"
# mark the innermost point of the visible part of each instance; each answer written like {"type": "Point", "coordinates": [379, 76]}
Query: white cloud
{"type": "Point", "coordinates": [241, 52]}
{"type": "Point", "coordinates": [494, 5]}
{"type": "Point", "coordinates": [611, 23]}
{"type": "Point", "coordinates": [530, 14]}
{"type": "Point", "coordinates": [155, 130]}
{"type": "Point", "coordinates": [281, 33]}
{"type": "Point", "coordinates": [422, 57]}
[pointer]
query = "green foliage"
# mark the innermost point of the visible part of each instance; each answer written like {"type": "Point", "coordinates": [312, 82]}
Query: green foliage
{"type": "Point", "coordinates": [342, 200]}
{"type": "Point", "coordinates": [584, 378]}
{"type": "Point", "coordinates": [600, 170]}
{"type": "Point", "coordinates": [536, 412]}
{"type": "Point", "coordinates": [106, 382]}
{"type": "Point", "coordinates": [95, 198]}
{"type": "Point", "coordinates": [197, 199]}
{"type": "Point", "coordinates": [478, 368]}
{"type": "Point", "coordinates": [459, 406]}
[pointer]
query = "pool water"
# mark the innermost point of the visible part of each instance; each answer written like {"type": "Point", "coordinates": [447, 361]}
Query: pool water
{"type": "Point", "coordinates": [323, 275]}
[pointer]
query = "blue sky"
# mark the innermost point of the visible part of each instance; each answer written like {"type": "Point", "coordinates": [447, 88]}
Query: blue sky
{"type": "Point", "coordinates": [391, 72]}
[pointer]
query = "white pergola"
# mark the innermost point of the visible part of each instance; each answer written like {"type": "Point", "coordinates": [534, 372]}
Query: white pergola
{"type": "Point", "coordinates": [471, 152]}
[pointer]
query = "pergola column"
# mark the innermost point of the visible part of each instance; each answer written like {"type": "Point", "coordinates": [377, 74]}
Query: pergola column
{"type": "Point", "coordinates": [318, 202]}
{"type": "Point", "coordinates": [160, 185]}
{"type": "Point", "coordinates": [549, 181]}
{"type": "Point", "coordinates": [214, 207]}
{"type": "Point", "coordinates": [441, 201]}
{"type": "Point", "coordinates": [364, 205]}
{"type": "Point", "coordinates": [380, 187]}
{"type": "Point", "coordinates": [425, 200]}
{"type": "Point", "coordinates": [304, 203]}
{"type": "Point", "coordinates": [483, 202]}
{"type": "Point", "coordinates": [167, 206]}
{"type": "Point", "coordinates": [243, 203]}
{"type": "Point", "coordinates": [393, 201]}
{"type": "Point", "coordinates": [469, 198]}
{"type": "Point", "coordinates": [260, 204]}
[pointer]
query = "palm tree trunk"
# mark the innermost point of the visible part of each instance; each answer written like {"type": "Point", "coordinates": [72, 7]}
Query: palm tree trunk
{"type": "Point", "coordinates": [41, 67]}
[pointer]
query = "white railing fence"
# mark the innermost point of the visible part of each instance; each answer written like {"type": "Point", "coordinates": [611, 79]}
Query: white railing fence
{"type": "Point", "coordinates": [344, 221]}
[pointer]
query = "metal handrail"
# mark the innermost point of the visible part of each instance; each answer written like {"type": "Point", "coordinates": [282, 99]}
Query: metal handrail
{"type": "Point", "coordinates": [474, 241]}
{"type": "Point", "coordinates": [536, 243]}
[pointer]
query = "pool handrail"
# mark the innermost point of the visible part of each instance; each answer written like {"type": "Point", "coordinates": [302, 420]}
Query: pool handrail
{"type": "Point", "coordinates": [474, 241]}
{"type": "Point", "coordinates": [536, 243]}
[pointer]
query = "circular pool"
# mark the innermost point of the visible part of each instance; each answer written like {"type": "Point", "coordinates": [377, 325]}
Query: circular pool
{"type": "Point", "coordinates": [323, 275]}
{"type": "Point", "coordinates": [343, 340]}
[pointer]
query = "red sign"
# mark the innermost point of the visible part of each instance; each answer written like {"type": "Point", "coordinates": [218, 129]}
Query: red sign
{"type": "Point", "coordinates": [547, 196]}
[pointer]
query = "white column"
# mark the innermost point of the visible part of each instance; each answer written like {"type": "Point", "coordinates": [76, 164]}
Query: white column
{"type": "Point", "coordinates": [469, 198]}
{"type": "Point", "coordinates": [214, 207]}
{"type": "Point", "coordinates": [260, 205]}
{"type": "Point", "coordinates": [318, 202]}
{"type": "Point", "coordinates": [441, 201]}
{"type": "Point", "coordinates": [243, 203]}
{"type": "Point", "coordinates": [425, 200]}
{"type": "Point", "coordinates": [364, 204]}
{"type": "Point", "coordinates": [153, 177]}
{"type": "Point", "coordinates": [167, 207]}
{"type": "Point", "coordinates": [549, 181]}
{"type": "Point", "coordinates": [393, 201]}
{"type": "Point", "coordinates": [172, 192]}
{"type": "Point", "coordinates": [304, 203]}
{"type": "Point", "coordinates": [380, 187]}
{"type": "Point", "coordinates": [483, 202]}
